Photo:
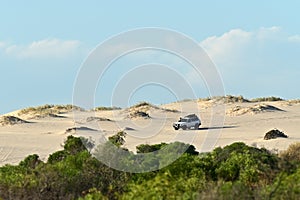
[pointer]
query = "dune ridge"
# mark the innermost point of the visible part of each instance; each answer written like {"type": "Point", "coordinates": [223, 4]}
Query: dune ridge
{"type": "Point", "coordinates": [245, 121]}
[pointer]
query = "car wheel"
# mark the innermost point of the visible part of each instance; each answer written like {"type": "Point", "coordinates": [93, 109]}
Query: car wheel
{"type": "Point", "coordinates": [176, 128]}
{"type": "Point", "coordinates": [196, 126]}
{"type": "Point", "coordinates": [184, 127]}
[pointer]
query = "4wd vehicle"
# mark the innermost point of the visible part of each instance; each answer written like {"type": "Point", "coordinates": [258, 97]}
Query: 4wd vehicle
{"type": "Point", "coordinates": [189, 121]}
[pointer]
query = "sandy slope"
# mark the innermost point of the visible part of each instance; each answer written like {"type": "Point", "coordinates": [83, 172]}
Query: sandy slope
{"type": "Point", "coordinates": [45, 135]}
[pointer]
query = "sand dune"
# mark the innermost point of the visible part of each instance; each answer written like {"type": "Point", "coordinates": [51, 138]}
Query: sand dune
{"type": "Point", "coordinates": [244, 121]}
{"type": "Point", "coordinates": [11, 120]}
{"type": "Point", "coordinates": [255, 109]}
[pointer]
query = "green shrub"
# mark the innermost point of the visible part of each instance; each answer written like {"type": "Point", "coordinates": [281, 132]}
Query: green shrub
{"type": "Point", "coordinates": [285, 187]}
{"type": "Point", "coordinates": [236, 171]}
{"type": "Point", "coordinates": [147, 148]}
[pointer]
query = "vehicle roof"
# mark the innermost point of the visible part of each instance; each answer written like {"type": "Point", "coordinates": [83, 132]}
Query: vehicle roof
{"type": "Point", "coordinates": [190, 116]}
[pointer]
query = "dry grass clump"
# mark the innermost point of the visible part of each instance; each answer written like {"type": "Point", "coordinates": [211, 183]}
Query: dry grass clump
{"type": "Point", "coordinates": [227, 99]}
{"type": "Point", "coordinates": [145, 107]}
{"type": "Point", "coordinates": [240, 99]}
{"type": "Point", "coordinates": [292, 102]}
{"type": "Point", "coordinates": [103, 108]}
{"type": "Point", "coordinates": [235, 99]}
{"type": "Point", "coordinates": [142, 110]}
{"type": "Point", "coordinates": [48, 110]}
{"type": "Point", "coordinates": [97, 119]}
{"type": "Point", "coordinates": [264, 99]}
{"type": "Point", "coordinates": [11, 120]}
{"type": "Point", "coordinates": [82, 128]}
{"type": "Point", "coordinates": [185, 100]}
{"type": "Point", "coordinates": [139, 114]}
{"type": "Point", "coordinates": [256, 109]}
{"type": "Point", "coordinates": [292, 153]}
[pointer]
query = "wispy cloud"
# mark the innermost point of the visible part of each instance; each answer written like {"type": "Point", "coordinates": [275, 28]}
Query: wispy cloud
{"type": "Point", "coordinates": [2, 45]}
{"type": "Point", "coordinates": [237, 42]}
{"type": "Point", "coordinates": [261, 48]}
{"type": "Point", "coordinates": [248, 59]}
{"type": "Point", "coordinates": [47, 48]}
{"type": "Point", "coordinates": [230, 43]}
{"type": "Point", "coordinates": [294, 38]}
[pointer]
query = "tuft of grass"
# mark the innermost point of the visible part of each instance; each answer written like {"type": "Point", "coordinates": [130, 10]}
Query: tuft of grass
{"type": "Point", "coordinates": [143, 104]}
{"type": "Point", "coordinates": [229, 99]}
{"type": "Point", "coordinates": [103, 108]}
{"type": "Point", "coordinates": [263, 99]}
{"type": "Point", "coordinates": [11, 120]}
{"type": "Point", "coordinates": [48, 110]}
{"type": "Point", "coordinates": [294, 101]}
{"type": "Point", "coordinates": [292, 153]}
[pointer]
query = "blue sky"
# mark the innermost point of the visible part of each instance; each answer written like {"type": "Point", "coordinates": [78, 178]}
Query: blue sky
{"type": "Point", "coordinates": [254, 44]}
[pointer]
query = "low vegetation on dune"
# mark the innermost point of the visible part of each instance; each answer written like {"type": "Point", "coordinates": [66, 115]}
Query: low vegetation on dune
{"type": "Point", "coordinates": [292, 102]}
{"type": "Point", "coordinates": [225, 99]}
{"type": "Point", "coordinates": [81, 128]}
{"type": "Point", "coordinates": [292, 154]}
{"type": "Point", "coordinates": [97, 119]}
{"type": "Point", "coordinates": [11, 120]}
{"type": "Point", "coordinates": [143, 109]}
{"type": "Point", "coordinates": [48, 110]}
{"type": "Point", "coordinates": [103, 108]}
{"type": "Point", "coordinates": [240, 99]}
{"type": "Point", "coordinates": [273, 134]}
{"type": "Point", "coordinates": [270, 99]}
{"type": "Point", "coordinates": [255, 109]}
{"type": "Point", "coordinates": [139, 114]}
{"type": "Point", "coordinates": [236, 171]}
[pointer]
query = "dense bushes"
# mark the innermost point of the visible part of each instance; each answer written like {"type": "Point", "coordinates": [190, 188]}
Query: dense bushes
{"type": "Point", "coordinates": [67, 175]}
{"type": "Point", "coordinates": [236, 171]}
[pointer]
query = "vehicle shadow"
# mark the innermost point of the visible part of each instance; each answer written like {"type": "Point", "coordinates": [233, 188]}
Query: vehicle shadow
{"type": "Point", "coordinates": [217, 127]}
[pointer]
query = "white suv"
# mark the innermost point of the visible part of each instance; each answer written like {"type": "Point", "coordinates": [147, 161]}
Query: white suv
{"type": "Point", "coordinates": [189, 121]}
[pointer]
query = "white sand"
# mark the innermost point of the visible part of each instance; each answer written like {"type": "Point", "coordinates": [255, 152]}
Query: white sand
{"type": "Point", "coordinates": [45, 136]}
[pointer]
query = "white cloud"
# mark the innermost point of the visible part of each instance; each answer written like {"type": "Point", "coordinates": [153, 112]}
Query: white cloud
{"type": "Point", "coordinates": [271, 33]}
{"type": "Point", "coordinates": [294, 38]}
{"type": "Point", "coordinates": [251, 59]}
{"type": "Point", "coordinates": [47, 48]}
{"type": "Point", "coordinates": [219, 48]}
{"type": "Point", "coordinates": [2, 45]}
{"type": "Point", "coordinates": [234, 45]}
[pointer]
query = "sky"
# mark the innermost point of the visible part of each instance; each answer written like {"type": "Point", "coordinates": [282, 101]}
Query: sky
{"type": "Point", "coordinates": [255, 46]}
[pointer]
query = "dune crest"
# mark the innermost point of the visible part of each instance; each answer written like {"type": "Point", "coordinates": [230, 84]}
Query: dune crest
{"type": "Point", "coordinates": [252, 110]}
{"type": "Point", "coordinates": [11, 120]}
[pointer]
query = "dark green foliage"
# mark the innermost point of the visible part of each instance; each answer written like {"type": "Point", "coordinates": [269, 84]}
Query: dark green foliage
{"type": "Point", "coordinates": [118, 139]}
{"type": "Point", "coordinates": [57, 156]}
{"type": "Point", "coordinates": [74, 145]}
{"type": "Point", "coordinates": [68, 174]}
{"type": "Point", "coordinates": [285, 187]}
{"type": "Point", "coordinates": [146, 148]}
{"type": "Point", "coordinates": [273, 134]}
{"type": "Point", "coordinates": [236, 171]}
{"type": "Point", "coordinates": [30, 161]}
{"type": "Point", "coordinates": [241, 162]}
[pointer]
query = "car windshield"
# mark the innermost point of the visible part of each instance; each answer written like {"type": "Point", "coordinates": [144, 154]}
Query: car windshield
{"type": "Point", "coordinates": [184, 120]}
